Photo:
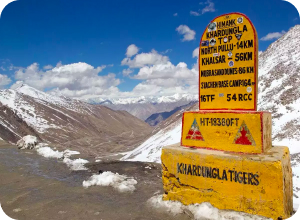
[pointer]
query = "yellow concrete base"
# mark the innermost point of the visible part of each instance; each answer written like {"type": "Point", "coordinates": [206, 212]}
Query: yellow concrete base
{"type": "Point", "coordinates": [256, 184]}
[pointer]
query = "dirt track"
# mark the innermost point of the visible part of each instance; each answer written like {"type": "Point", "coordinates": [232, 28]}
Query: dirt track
{"type": "Point", "coordinates": [33, 187]}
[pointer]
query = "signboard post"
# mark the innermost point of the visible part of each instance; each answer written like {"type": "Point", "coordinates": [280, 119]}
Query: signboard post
{"type": "Point", "coordinates": [226, 156]}
{"type": "Point", "coordinates": [228, 64]}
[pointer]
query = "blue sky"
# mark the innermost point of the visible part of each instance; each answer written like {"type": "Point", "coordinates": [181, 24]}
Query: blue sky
{"type": "Point", "coordinates": [82, 43]}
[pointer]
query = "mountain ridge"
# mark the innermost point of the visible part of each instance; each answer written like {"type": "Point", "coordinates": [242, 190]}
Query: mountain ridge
{"type": "Point", "coordinates": [67, 123]}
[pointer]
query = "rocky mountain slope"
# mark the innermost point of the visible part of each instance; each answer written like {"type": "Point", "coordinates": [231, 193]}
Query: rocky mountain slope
{"type": "Point", "coordinates": [156, 118]}
{"type": "Point", "coordinates": [68, 123]}
{"type": "Point", "coordinates": [143, 107]}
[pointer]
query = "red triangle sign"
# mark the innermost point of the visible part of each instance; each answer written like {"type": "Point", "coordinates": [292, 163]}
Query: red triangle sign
{"type": "Point", "coordinates": [243, 136]}
{"type": "Point", "coordinates": [194, 132]}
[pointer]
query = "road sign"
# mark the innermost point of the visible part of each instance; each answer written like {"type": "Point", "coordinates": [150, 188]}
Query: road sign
{"type": "Point", "coordinates": [242, 131]}
{"type": "Point", "coordinates": [228, 63]}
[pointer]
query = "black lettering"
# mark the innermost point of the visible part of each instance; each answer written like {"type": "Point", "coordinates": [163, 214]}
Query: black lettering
{"type": "Point", "coordinates": [219, 174]}
{"type": "Point", "coordinates": [214, 173]}
{"type": "Point", "coordinates": [208, 172]}
{"type": "Point", "coordinates": [256, 183]}
{"type": "Point", "coordinates": [189, 170]}
{"type": "Point", "coordinates": [250, 176]}
{"type": "Point", "coordinates": [184, 168]}
{"type": "Point", "coordinates": [244, 178]}
{"type": "Point", "coordinates": [231, 172]}
{"type": "Point", "coordinates": [240, 178]}
{"type": "Point", "coordinates": [199, 171]}
{"type": "Point", "coordinates": [224, 176]}
{"type": "Point", "coordinates": [194, 170]}
{"type": "Point", "coordinates": [179, 167]}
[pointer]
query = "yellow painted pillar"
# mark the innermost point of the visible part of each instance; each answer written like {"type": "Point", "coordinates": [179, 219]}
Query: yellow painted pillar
{"type": "Point", "coordinates": [256, 184]}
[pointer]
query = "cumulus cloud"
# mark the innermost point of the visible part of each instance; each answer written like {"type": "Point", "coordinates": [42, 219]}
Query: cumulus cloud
{"type": "Point", "coordinates": [273, 36]}
{"type": "Point", "coordinates": [73, 80]}
{"type": "Point", "coordinates": [196, 52]}
{"type": "Point", "coordinates": [187, 33]}
{"type": "Point", "coordinates": [144, 59]}
{"type": "Point", "coordinates": [59, 64]}
{"type": "Point", "coordinates": [194, 13]}
{"type": "Point", "coordinates": [48, 67]}
{"type": "Point", "coordinates": [4, 80]}
{"type": "Point", "coordinates": [210, 7]}
{"type": "Point", "coordinates": [165, 71]}
{"type": "Point", "coordinates": [158, 76]}
{"type": "Point", "coordinates": [127, 72]}
{"type": "Point", "coordinates": [132, 50]}
{"type": "Point", "coordinates": [166, 79]}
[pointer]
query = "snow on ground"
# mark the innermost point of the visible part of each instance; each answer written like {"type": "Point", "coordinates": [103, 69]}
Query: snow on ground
{"type": "Point", "coordinates": [77, 164]}
{"type": "Point", "coordinates": [296, 181]}
{"type": "Point", "coordinates": [27, 142]}
{"type": "Point", "coordinates": [121, 183]}
{"type": "Point", "coordinates": [31, 142]}
{"type": "Point", "coordinates": [73, 164]}
{"type": "Point", "coordinates": [199, 211]}
{"type": "Point", "coordinates": [150, 150]}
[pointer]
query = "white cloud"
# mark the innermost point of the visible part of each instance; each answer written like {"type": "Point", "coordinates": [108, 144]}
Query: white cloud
{"type": "Point", "coordinates": [259, 53]}
{"type": "Point", "coordinates": [273, 36]}
{"type": "Point", "coordinates": [196, 52]}
{"type": "Point", "coordinates": [127, 72]}
{"type": "Point", "coordinates": [165, 71]}
{"type": "Point", "coordinates": [2, 68]}
{"type": "Point", "coordinates": [4, 80]}
{"type": "Point", "coordinates": [73, 80]}
{"type": "Point", "coordinates": [194, 13]}
{"type": "Point", "coordinates": [187, 33]}
{"type": "Point", "coordinates": [175, 14]}
{"type": "Point", "coordinates": [82, 81]}
{"type": "Point", "coordinates": [48, 67]}
{"type": "Point", "coordinates": [59, 64]}
{"type": "Point", "coordinates": [132, 50]}
{"type": "Point", "coordinates": [144, 59]}
{"type": "Point", "coordinates": [210, 7]}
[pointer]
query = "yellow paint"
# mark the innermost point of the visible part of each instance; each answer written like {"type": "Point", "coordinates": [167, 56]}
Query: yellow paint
{"type": "Point", "coordinates": [269, 196]}
{"type": "Point", "coordinates": [222, 130]}
{"type": "Point", "coordinates": [243, 69]}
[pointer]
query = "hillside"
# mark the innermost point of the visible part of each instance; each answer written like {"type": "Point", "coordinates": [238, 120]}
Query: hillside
{"type": "Point", "coordinates": [156, 118]}
{"type": "Point", "coordinates": [143, 107]}
{"type": "Point", "coordinates": [68, 123]}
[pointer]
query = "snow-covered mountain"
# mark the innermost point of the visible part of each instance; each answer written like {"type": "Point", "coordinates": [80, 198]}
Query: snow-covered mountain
{"type": "Point", "coordinates": [142, 99]}
{"type": "Point", "coordinates": [143, 107]}
{"type": "Point", "coordinates": [67, 123]}
{"type": "Point", "coordinates": [279, 93]}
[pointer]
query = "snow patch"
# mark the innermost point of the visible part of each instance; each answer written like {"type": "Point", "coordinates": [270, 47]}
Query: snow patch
{"type": "Point", "coordinates": [31, 142]}
{"type": "Point", "coordinates": [199, 211]}
{"type": "Point", "coordinates": [27, 142]}
{"type": "Point", "coordinates": [77, 164]}
{"type": "Point", "coordinates": [49, 153]}
{"type": "Point", "coordinates": [150, 150]}
{"type": "Point", "coordinates": [120, 182]}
